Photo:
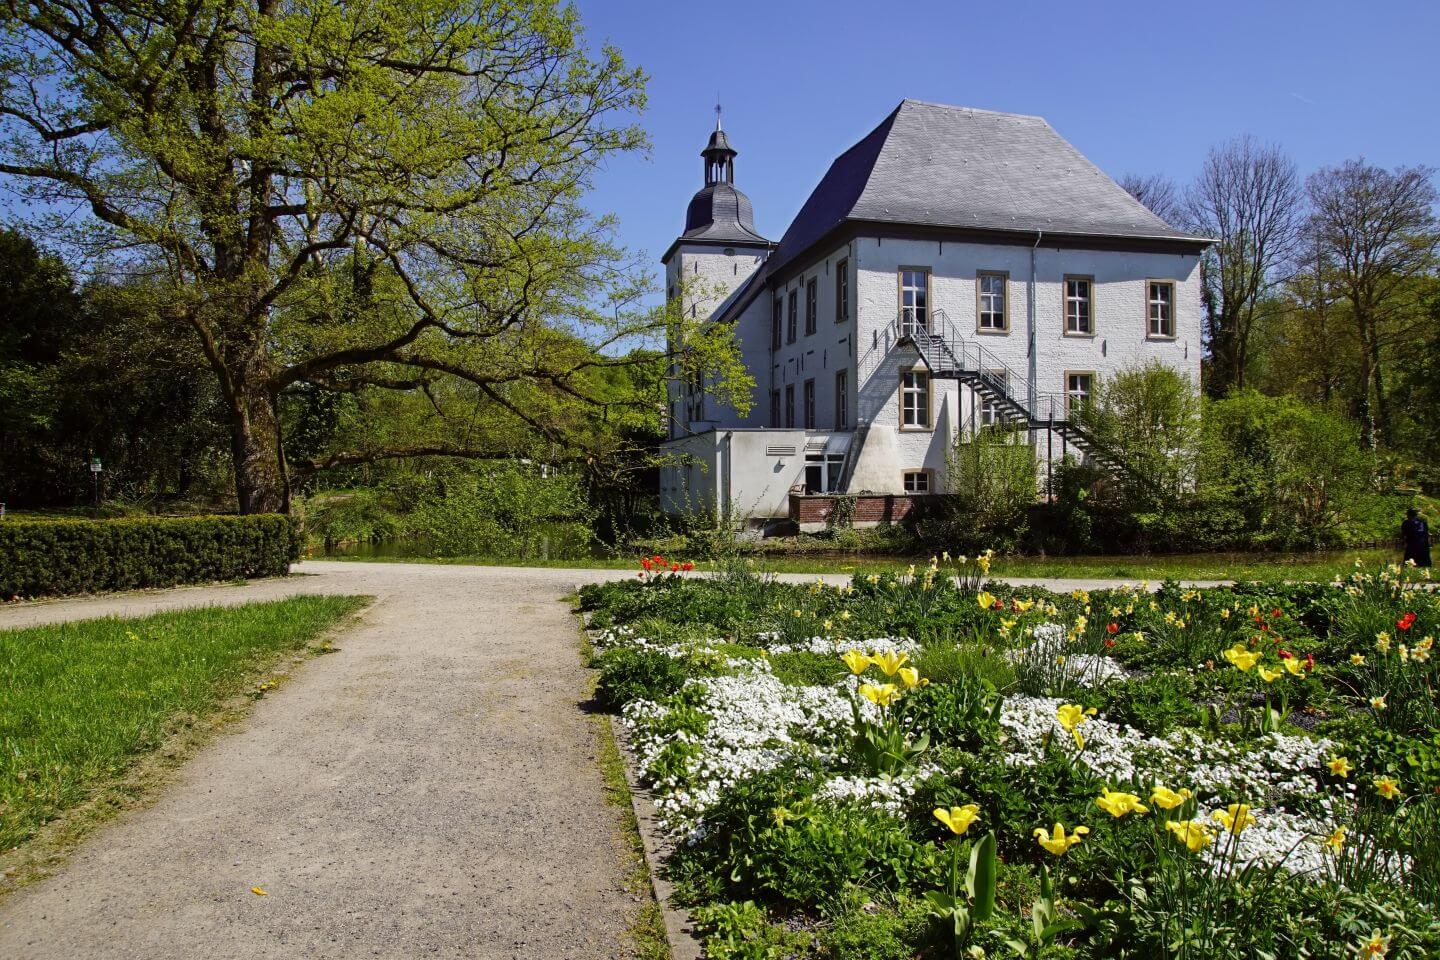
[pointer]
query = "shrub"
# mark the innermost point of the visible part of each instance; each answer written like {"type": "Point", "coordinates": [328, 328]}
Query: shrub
{"type": "Point", "coordinates": [627, 675]}
{"type": "Point", "coordinates": [50, 557]}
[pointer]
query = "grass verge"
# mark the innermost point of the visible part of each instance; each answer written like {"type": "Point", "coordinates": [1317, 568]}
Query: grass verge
{"type": "Point", "coordinates": [95, 714]}
{"type": "Point", "coordinates": [1268, 567]}
{"type": "Point", "coordinates": [647, 927]}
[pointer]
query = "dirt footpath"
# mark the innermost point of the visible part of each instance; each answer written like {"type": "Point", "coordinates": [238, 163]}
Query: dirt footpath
{"type": "Point", "coordinates": [430, 790]}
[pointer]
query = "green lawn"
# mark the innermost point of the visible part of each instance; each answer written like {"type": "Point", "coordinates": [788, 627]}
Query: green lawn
{"type": "Point", "coordinates": [1203, 566]}
{"type": "Point", "coordinates": [81, 704]}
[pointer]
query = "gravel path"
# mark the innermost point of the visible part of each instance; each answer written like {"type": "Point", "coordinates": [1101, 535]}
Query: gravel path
{"type": "Point", "coordinates": [429, 791]}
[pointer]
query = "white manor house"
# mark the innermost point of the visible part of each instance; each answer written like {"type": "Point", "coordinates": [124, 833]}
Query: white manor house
{"type": "Point", "coordinates": [954, 268]}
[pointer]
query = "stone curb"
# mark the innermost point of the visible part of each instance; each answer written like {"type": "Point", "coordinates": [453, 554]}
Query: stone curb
{"type": "Point", "coordinates": [679, 929]}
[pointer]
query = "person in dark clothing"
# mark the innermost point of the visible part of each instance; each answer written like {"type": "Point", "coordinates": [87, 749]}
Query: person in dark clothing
{"type": "Point", "coordinates": [1415, 534]}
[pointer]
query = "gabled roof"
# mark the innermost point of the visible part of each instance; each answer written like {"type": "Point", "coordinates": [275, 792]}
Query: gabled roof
{"type": "Point", "coordinates": [933, 165]}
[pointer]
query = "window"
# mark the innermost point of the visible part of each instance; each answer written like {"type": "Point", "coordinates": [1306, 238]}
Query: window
{"type": "Point", "coordinates": [790, 406]}
{"type": "Point", "coordinates": [1079, 308]}
{"type": "Point", "coordinates": [1162, 309]}
{"type": "Point", "coordinates": [776, 319]}
{"type": "Point", "coordinates": [842, 400]}
{"type": "Point", "coordinates": [914, 400]}
{"type": "Point", "coordinates": [990, 410]}
{"type": "Point", "coordinates": [700, 406]}
{"type": "Point", "coordinates": [991, 313]}
{"type": "Point", "coordinates": [809, 404]}
{"type": "Point", "coordinates": [792, 308]}
{"type": "Point", "coordinates": [914, 299]}
{"type": "Point", "coordinates": [917, 481]}
{"type": "Point", "coordinates": [1078, 390]}
{"type": "Point", "coordinates": [811, 306]}
{"type": "Point", "coordinates": [842, 291]}
{"type": "Point", "coordinates": [822, 472]}
{"type": "Point", "coordinates": [774, 408]}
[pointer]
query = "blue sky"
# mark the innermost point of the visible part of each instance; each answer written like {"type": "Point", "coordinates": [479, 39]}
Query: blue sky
{"type": "Point", "coordinates": [1136, 86]}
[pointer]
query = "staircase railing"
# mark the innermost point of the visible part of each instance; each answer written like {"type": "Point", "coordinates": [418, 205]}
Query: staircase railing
{"type": "Point", "coordinates": [947, 353]}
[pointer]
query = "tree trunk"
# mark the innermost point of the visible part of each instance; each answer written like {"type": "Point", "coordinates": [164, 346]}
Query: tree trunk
{"type": "Point", "coordinates": [261, 485]}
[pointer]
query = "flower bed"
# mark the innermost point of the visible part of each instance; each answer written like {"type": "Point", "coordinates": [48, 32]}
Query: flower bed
{"type": "Point", "coordinates": [913, 766]}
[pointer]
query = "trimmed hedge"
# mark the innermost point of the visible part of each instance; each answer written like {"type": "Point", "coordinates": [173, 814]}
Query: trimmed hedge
{"type": "Point", "coordinates": [50, 557]}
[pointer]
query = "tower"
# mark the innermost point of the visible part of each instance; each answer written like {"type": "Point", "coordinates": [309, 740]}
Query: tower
{"type": "Point", "coordinates": [719, 248]}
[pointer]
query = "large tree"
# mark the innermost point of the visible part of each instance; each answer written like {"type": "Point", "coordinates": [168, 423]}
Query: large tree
{"type": "Point", "coordinates": [346, 195]}
{"type": "Point", "coordinates": [1377, 233]}
{"type": "Point", "coordinates": [1248, 198]}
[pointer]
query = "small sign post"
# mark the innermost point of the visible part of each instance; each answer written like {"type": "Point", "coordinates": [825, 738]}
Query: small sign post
{"type": "Point", "coordinates": [95, 469]}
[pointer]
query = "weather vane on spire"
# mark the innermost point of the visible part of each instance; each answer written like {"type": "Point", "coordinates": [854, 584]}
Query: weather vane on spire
{"type": "Point", "coordinates": [717, 111]}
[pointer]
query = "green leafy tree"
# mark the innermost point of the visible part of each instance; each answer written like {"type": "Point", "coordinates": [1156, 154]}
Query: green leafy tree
{"type": "Point", "coordinates": [362, 197]}
{"type": "Point", "coordinates": [1148, 418]}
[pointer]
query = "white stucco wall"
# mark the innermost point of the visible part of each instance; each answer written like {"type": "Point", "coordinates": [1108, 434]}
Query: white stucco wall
{"type": "Point", "coordinates": [745, 473]}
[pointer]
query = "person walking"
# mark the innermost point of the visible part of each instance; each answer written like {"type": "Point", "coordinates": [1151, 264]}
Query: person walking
{"type": "Point", "coordinates": [1415, 536]}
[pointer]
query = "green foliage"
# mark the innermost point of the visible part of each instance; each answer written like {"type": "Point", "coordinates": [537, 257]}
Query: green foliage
{"type": "Point", "coordinates": [1149, 417]}
{"type": "Point", "coordinates": [627, 674]}
{"type": "Point", "coordinates": [81, 702]}
{"type": "Point", "coordinates": [742, 931]}
{"type": "Point", "coordinates": [48, 557]}
{"type": "Point", "coordinates": [991, 479]}
{"type": "Point", "coordinates": [502, 510]}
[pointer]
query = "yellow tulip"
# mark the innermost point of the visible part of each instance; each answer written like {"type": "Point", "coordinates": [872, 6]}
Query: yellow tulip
{"type": "Point", "coordinates": [1241, 657]}
{"type": "Point", "coordinates": [1340, 766]}
{"type": "Point", "coordinates": [1376, 947]}
{"type": "Point", "coordinates": [1118, 804]}
{"type": "Point", "coordinates": [1293, 666]}
{"type": "Point", "coordinates": [958, 819]}
{"type": "Point", "coordinates": [856, 661]}
{"type": "Point", "coordinates": [1234, 818]}
{"type": "Point", "coordinates": [985, 599]}
{"type": "Point", "coordinates": [1056, 841]}
{"type": "Point", "coordinates": [879, 694]}
{"type": "Point", "coordinates": [1336, 840]}
{"type": "Point", "coordinates": [1167, 799]}
{"type": "Point", "coordinates": [1194, 835]}
{"type": "Point", "coordinates": [889, 661]}
{"type": "Point", "coordinates": [1388, 787]}
{"type": "Point", "coordinates": [1071, 716]}
{"type": "Point", "coordinates": [1024, 605]}
{"type": "Point", "coordinates": [1268, 675]}
{"type": "Point", "coordinates": [910, 677]}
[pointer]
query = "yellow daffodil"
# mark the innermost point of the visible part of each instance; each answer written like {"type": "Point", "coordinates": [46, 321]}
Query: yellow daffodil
{"type": "Point", "coordinates": [1404, 653]}
{"type": "Point", "coordinates": [1269, 675]}
{"type": "Point", "coordinates": [1225, 614]}
{"type": "Point", "coordinates": [844, 614]}
{"type": "Point", "coordinates": [958, 819]}
{"type": "Point", "coordinates": [1293, 666]}
{"type": "Point", "coordinates": [1388, 787]}
{"type": "Point", "coordinates": [1382, 642]}
{"type": "Point", "coordinates": [1194, 835]}
{"type": "Point", "coordinates": [1071, 717]}
{"type": "Point", "coordinates": [983, 561]}
{"type": "Point", "coordinates": [1241, 657]}
{"type": "Point", "coordinates": [1167, 799]}
{"type": "Point", "coordinates": [1057, 841]}
{"type": "Point", "coordinates": [1377, 703]}
{"type": "Point", "coordinates": [1340, 766]}
{"type": "Point", "coordinates": [1336, 840]}
{"type": "Point", "coordinates": [1118, 804]}
{"type": "Point", "coordinates": [879, 694]}
{"type": "Point", "coordinates": [910, 677]}
{"type": "Point", "coordinates": [827, 626]}
{"type": "Point", "coordinates": [797, 613]}
{"type": "Point", "coordinates": [1376, 947]}
{"type": "Point", "coordinates": [1024, 605]}
{"type": "Point", "coordinates": [1357, 659]}
{"type": "Point", "coordinates": [1234, 818]}
{"type": "Point", "coordinates": [889, 661]}
{"type": "Point", "coordinates": [856, 661]}
{"type": "Point", "coordinates": [985, 599]}
{"type": "Point", "coordinates": [873, 578]}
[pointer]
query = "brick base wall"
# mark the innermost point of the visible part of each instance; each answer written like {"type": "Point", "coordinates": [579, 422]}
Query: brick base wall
{"type": "Point", "coordinates": [878, 508]}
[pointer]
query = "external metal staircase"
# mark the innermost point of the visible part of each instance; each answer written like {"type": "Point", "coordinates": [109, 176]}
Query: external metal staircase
{"type": "Point", "coordinates": [950, 356]}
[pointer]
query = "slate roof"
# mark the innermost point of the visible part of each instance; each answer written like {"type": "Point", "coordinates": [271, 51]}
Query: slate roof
{"type": "Point", "coordinates": [934, 165]}
{"type": "Point", "coordinates": [720, 212]}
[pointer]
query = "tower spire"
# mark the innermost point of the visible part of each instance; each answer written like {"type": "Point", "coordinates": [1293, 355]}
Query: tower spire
{"type": "Point", "coordinates": [719, 155]}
